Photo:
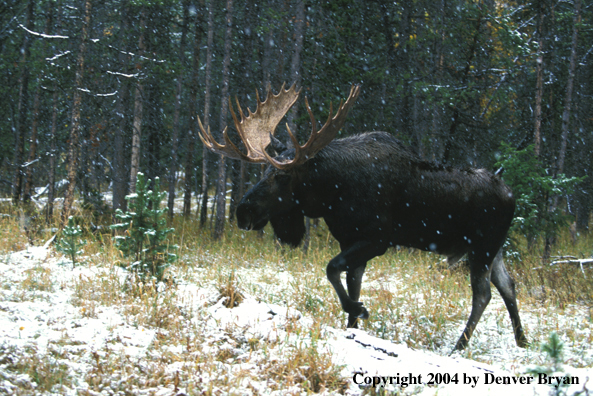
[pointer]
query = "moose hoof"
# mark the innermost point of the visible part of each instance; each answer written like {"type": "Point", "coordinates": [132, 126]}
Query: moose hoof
{"type": "Point", "coordinates": [461, 344]}
{"type": "Point", "coordinates": [356, 311]}
{"type": "Point", "coordinates": [523, 343]}
{"type": "Point", "coordinates": [364, 314]}
{"type": "Point", "coordinates": [353, 318]}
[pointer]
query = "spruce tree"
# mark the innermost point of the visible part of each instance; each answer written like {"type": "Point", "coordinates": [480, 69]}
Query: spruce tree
{"type": "Point", "coordinates": [70, 242]}
{"type": "Point", "coordinates": [145, 231]}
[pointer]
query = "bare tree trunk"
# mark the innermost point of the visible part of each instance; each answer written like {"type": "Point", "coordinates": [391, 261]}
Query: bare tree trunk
{"type": "Point", "coordinates": [32, 145]}
{"type": "Point", "coordinates": [295, 64]}
{"type": "Point", "coordinates": [19, 146]}
{"type": "Point", "coordinates": [226, 65]}
{"type": "Point", "coordinates": [569, 86]}
{"type": "Point", "coordinates": [52, 156]}
{"type": "Point", "coordinates": [52, 137]}
{"type": "Point", "coordinates": [75, 121]}
{"type": "Point", "coordinates": [267, 56]}
{"type": "Point", "coordinates": [551, 239]}
{"type": "Point", "coordinates": [35, 123]}
{"type": "Point", "coordinates": [138, 109]}
{"type": "Point", "coordinates": [193, 124]}
{"type": "Point", "coordinates": [539, 84]}
{"type": "Point", "coordinates": [295, 76]}
{"type": "Point", "coordinates": [437, 112]}
{"type": "Point", "coordinates": [235, 168]}
{"type": "Point", "coordinates": [239, 168]}
{"type": "Point", "coordinates": [120, 179]}
{"type": "Point", "coordinates": [177, 114]}
{"type": "Point", "coordinates": [206, 156]}
{"type": "Point", "coordinates": [120, 175]}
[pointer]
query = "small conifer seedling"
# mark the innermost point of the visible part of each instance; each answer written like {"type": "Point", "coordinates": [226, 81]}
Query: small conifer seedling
{"type": "Point", "coordinates": [70, 242]}
{"type": "Point", "coordinates": [145, 231]}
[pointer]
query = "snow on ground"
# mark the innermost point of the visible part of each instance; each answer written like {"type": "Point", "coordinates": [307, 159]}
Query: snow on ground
{"type": "Point", "coordinates": [41, 319]}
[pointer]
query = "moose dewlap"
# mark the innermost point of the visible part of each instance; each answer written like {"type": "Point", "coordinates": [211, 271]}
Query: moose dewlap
{"type": "Point", "coordinates": [373, 193]}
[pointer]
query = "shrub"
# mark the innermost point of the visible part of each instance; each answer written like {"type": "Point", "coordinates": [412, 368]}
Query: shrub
{"type": "Point", "coordinates": [536, 191]}
{"type": "Point", "coordinates": [145, 232]}
{"type": "Point", "coordinates": [70, 242]}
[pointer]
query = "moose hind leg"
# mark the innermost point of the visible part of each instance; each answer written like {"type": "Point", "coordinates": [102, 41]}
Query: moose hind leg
{"type": "Point", "coordinates": [354, 283]}
{"type": "Point", "coordinates": [506, 287]}
{"type": "Point", "coordinates": [481, 294]}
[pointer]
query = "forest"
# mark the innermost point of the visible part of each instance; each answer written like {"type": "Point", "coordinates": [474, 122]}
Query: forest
{"type": "Point", "coordinates": [122, 269]}
{"type": "Point", "coordinates": [95, 92]}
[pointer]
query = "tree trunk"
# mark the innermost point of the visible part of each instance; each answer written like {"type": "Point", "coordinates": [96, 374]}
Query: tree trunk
{"type": "Point", "coordinates": [235, 167]}
{"type": "Point", "coordinates": [193, 124]}
{"type": "Point", "coordinates": [267, 54]}
{"type": "Point", "coordinates": [226, 65]}
{"type": "Point", "coordinates": [19, 146]}
{"type": "Point", "coordinates": [75, 120]}
{"type": "Point", "coordinates": [551, 239]}
{"type": "Point", "coordinates": [177, 114]}
{"type": "Point", "coordinates": [539, 84]}
{"type": "Point", "coordinates": [32, 145]}
{"type": "Point", "coordinates": [437, 111]}
{"type": "Point", "coordinates": [295, 64]}
{"type": "Point", "coordinates": [295, 75]}
{"type": "Point", "coordinates": [52, 156]}
{"type": "Point", "coordinates": [138, 109]}
{"type": "Point", "coordinates": [239, 168]}
{"type": "Point", "coordinates": [120, 181]}
{"type": "Point", "coordinates": [120, 174]}
{"type": "Point", "coordinates": [52, 136]}
{"type": "Point", "coordinates": [569, 87]}
{"type": "Point", "coordinates": [35, 123]}
{"type": "Point", "coordinates": [206, 156]}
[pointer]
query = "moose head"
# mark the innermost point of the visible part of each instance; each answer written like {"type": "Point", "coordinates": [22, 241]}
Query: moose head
{"type": "Point", "coordinates": [273, 198]}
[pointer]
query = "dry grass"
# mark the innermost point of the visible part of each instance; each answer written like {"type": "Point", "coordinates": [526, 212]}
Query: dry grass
{"type": "Point", "coordinates": [228, 289]}
{"type": "Point", "coordinates": [305, 366]}
{"type": "Point", "coordinates": [411, 299]}
{"type": "Point", "coordinates": [13, 236]}
{"type": "Point", "coordinates": [556, 285]}
{"type": "Point", "coordinates": [47, 372]}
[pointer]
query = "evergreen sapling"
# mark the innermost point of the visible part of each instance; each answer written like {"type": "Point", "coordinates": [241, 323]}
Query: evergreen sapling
{"type": "Point", "coordinates": [70, 242]}
{"type": "Point", "coordinates": [145, 231]}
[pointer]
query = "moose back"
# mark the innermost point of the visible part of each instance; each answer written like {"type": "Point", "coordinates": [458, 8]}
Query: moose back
{"type": "Point", "coordinates": [374, 193]}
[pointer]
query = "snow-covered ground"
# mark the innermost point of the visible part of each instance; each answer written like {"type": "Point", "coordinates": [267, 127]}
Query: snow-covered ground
{"type": "Point", "coordinates": [105, 349]}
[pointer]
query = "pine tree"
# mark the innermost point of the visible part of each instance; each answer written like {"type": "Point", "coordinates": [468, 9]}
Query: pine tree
{"type": "Point", "coordinates": [145, 231]}
{"type": "Point", "coordinates": [70, 242]}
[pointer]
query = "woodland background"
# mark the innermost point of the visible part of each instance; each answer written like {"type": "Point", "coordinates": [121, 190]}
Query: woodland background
{"type": "Point", "coordinates": [95, 91]}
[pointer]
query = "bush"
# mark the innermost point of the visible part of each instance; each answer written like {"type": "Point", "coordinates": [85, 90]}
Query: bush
{"type": "Point", "coordinates": [536, 191]}
{"type": "Point", "coordinates": [70, 242]}
{"type": "Point", "coordinates": [145, 232]}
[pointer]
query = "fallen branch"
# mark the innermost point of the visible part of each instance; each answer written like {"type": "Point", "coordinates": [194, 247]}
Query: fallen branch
{"type": "Point", "coordinates": [573, 261]}
{"type": "Point", "coordinates": [580, 262]}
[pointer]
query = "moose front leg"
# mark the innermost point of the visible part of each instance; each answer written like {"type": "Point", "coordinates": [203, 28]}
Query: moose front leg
{"type": "Point", "coordinates": [354, 283]}
{"type": "Point", "coordinates": [352, 260]}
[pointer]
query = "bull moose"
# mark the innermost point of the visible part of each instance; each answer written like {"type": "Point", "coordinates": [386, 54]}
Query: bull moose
{"type": "Point", "coordinates": [373, 193]}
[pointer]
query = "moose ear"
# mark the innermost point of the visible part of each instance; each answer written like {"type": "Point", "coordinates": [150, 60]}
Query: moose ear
{"type": "Point", "coordinates": [277, 145]}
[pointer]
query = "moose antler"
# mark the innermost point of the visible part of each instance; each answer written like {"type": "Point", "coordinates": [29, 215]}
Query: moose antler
{"type": "Point", "coordinates": [318, 139]}
{"type": "Point", "coordinates": [257, 128]}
